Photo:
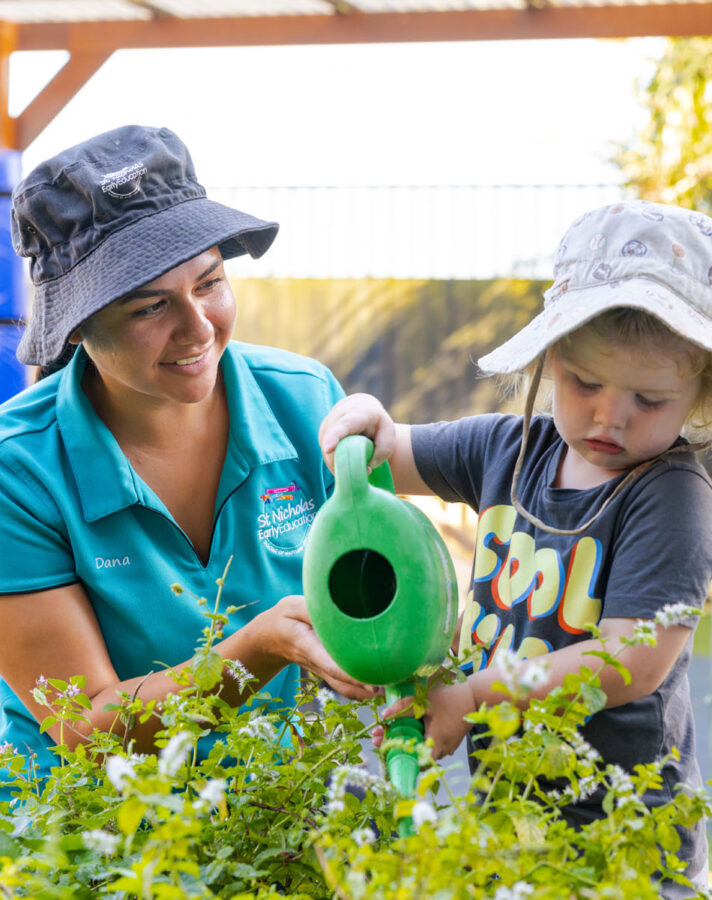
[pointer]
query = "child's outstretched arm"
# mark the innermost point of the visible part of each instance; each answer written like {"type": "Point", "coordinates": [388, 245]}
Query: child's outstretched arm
{"type": "Point", "coordinates": [364, 414]}
{"type": "Point", "coordinates": [647, 665]}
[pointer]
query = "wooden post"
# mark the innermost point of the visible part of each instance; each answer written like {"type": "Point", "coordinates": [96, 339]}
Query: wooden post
{"type": "Point", "coordinates": [8, 36]}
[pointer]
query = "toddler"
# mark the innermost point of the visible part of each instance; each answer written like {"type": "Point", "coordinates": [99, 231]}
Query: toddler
{"type": "Point", "coordinates": [598, 512]}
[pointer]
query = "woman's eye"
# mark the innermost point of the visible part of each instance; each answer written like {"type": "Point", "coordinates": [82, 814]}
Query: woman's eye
{"type": "Point", "coordinates": [210, 284]}
{"type": "Point", "coordinates": [148, 310]}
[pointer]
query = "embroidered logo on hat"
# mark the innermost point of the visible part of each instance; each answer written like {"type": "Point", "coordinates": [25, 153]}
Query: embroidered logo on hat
{"type": "Point", "coordinates": [86, 251]}
{"type": "Point", "coordinates": [124, 183]}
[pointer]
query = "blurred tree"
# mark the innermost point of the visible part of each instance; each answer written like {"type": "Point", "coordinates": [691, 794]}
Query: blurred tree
{"type": "Point", "coordinates": [670, 160]}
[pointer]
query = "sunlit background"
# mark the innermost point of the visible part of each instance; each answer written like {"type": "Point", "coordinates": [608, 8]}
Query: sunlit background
{"type": "Point", "coordinates": [421, 190]}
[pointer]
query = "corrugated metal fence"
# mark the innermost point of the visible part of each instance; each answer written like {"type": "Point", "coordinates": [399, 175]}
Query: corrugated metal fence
{"type": "Point", "coordinates": [444, 232]}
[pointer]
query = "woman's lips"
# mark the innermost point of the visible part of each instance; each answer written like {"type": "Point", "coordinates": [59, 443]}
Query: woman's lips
{"type": "Point", "coordinates": [600, 446]}
{"type": "Point", "coordinates": [189, 365]}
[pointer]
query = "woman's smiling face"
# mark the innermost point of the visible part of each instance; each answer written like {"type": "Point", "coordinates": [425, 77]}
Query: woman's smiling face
{"type": "Point", "coordinates": [616, 405]}
{"type": "Point", "coordinates": [164, 341]}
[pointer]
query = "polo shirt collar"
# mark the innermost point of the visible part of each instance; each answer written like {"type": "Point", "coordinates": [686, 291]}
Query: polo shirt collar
{"type": "Point", "coordinates": [105, 480]}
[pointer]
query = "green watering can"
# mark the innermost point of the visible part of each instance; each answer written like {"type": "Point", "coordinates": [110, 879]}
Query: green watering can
{"type": "Point", "coordinates": [381, 591]}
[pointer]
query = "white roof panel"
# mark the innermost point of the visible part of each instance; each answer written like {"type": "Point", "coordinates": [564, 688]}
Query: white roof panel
{"type": "Point", "coordinates": [50, 12]}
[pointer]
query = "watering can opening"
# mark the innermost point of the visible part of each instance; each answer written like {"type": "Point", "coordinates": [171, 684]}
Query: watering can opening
{"type": "Point", "coordinates": [362, 584]}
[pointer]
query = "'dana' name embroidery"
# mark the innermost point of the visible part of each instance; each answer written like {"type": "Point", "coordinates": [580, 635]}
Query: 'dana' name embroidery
{"type": "Point", "coordinates": [107, 563]}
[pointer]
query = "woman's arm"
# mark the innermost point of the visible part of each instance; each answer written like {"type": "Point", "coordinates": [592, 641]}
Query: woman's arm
{"type": "Point", "coordinates": [364, 414]}
{"type": "Point", "coordinates": [55, 633]}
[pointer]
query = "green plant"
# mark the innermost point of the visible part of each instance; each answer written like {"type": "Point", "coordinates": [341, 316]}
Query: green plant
{"type": "Point", "coordinates": [670, 159]}
{"type": "Point", "coordinates": [282, 806]}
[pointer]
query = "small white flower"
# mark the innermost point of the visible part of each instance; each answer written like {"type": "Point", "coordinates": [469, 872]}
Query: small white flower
{"type": "Point", "coordinates": [582, 748]}
{"type": "Point", "coordinates": [238, 672]}
{"type": "Point", "coordinates": [356, 884]}
{"type": "Point", "coordinates": [423, 812]}
{"type": "Point", "coordinates": [586, 786]}
{"type": "Point", "coordinates": [619, 780]}
{"type": "Point", "coordinates": [675, 613]}
{"type": "Point", "coordinates": [118, 769]}
{"type": "Point", "coordinates": [259, 728]}
{"type": "Point", "coordinates": [354, 776]}
{"type": "Point", "coordinates": [508, 664]}
{"type": "Point", "coordinates": [364, 836]}
{"type": "Point", "coordinates": [101, 841]}
{"type": "Point", "coordinates": [518, 891]}
{"type": "Point", "coordinates": [70, 691]}
{"type": "Point", "coordinates": [535, 674]}
{"type": "Point", "coordinates": [8, 748]}
{"type": "Point", "coordinates": [424, 753]}
{"type": "Point", "coordinates": [174, 753]}
{"type": "Point", "coordinates": [322, 697]}
{"type": "Point", "coordinates": [213, 792]}
{"type": "Point", "coordinates": [645, 632]}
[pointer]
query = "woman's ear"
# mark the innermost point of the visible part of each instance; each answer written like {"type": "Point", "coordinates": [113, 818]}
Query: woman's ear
{"type": "Point", "coordinates": [75, 337]}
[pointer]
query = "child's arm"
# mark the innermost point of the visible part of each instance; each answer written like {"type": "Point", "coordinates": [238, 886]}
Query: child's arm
{"type": "Point", "coordinates": [648, 667]}
{"type": "Point", "coordinates": [364, 414]}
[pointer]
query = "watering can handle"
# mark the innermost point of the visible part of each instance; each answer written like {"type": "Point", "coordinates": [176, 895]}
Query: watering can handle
{"type": "Point", "coordinates": [351, 467]}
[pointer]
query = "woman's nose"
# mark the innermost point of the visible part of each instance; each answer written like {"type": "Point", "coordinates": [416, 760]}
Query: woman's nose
{"type": "Point", "coordinates": [193, 325]}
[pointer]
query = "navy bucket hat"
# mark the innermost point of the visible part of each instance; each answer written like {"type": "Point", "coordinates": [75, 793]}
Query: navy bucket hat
{"type": "Point", "coordinates": [105, 217]}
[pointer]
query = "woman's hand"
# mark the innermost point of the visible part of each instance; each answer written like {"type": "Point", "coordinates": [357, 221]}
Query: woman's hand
{"type": "Point", "coordinates": [358, 414]}
{"type": "Point", "coordinates": [443, 720]}
{"type": "Point", "coordinates": [300, 644]}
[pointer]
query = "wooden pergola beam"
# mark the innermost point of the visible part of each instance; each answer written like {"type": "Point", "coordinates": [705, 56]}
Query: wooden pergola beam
{"type": "Point", "coordinates": [55, 95]}
{"type": "Point", "coordinates": [632, 20]}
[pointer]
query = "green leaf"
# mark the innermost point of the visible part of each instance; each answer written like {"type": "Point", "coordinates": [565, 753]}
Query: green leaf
{"type": "Point", "coordinates": [504, 720]}
{"type": "Point", "coordinates": [48, 722]}
{"type": "Point", "coordinates": [530, 829]}
{"type": "Point", "coordinates": [594, 698]}
{"type": "Point", "coordinates": [207, 668]}
{"type": "Point", "coordinates": [130, 814]}
{"type": "Point", "coordinates": [8, 846]}
{"type": "Point", "coordinates": [557, 760]}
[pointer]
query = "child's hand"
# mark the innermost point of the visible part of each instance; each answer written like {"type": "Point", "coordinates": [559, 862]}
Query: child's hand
{"type": "Point", "coordinates": [443, 719]}
{"type": "Point", "coordinates": [358, 414]}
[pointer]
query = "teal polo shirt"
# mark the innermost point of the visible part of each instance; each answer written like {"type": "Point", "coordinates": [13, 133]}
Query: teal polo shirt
{"type": "Point", "coordinates": [72, 509]}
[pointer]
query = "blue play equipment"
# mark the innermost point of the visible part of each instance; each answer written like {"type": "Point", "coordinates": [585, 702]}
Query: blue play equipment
{"type": "Point", "coordinates": [13, 375]}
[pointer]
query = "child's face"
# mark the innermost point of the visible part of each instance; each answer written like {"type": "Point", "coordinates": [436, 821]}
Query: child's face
{"type": "Point", "coordinates": [616, 405]}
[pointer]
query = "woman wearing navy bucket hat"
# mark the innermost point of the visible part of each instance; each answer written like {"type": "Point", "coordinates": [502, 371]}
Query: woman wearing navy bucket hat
{"type": "Point", "coordinates": [596, 512]}
{"type": "Point", "coordinates": [156, 453]}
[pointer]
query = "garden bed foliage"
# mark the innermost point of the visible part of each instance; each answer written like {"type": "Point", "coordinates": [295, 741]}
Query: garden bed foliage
{"type": "Point", "coordinates": [284, 807]}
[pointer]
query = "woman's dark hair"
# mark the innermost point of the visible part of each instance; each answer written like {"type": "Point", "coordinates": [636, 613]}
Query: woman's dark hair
{"type": "Point", "coordinates": [58, 363]}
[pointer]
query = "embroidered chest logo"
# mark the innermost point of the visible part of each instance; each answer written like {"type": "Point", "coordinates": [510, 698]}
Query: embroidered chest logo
{"type": "Point", "coordinates": [284, 519]}
{"type": "Point", "coordinates": [124, 183]}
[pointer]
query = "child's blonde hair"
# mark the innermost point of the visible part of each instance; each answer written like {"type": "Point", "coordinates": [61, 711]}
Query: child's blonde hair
{"type": "Point", "coordinates": [635, 328]}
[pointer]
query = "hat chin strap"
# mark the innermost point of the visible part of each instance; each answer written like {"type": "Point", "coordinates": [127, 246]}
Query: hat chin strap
{"type": "Point", "coordinates": [631, 476]}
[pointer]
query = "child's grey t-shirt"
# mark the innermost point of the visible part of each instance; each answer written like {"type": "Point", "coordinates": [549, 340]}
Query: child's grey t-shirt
{"type": "Point", "coordinates": [533, 591]}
